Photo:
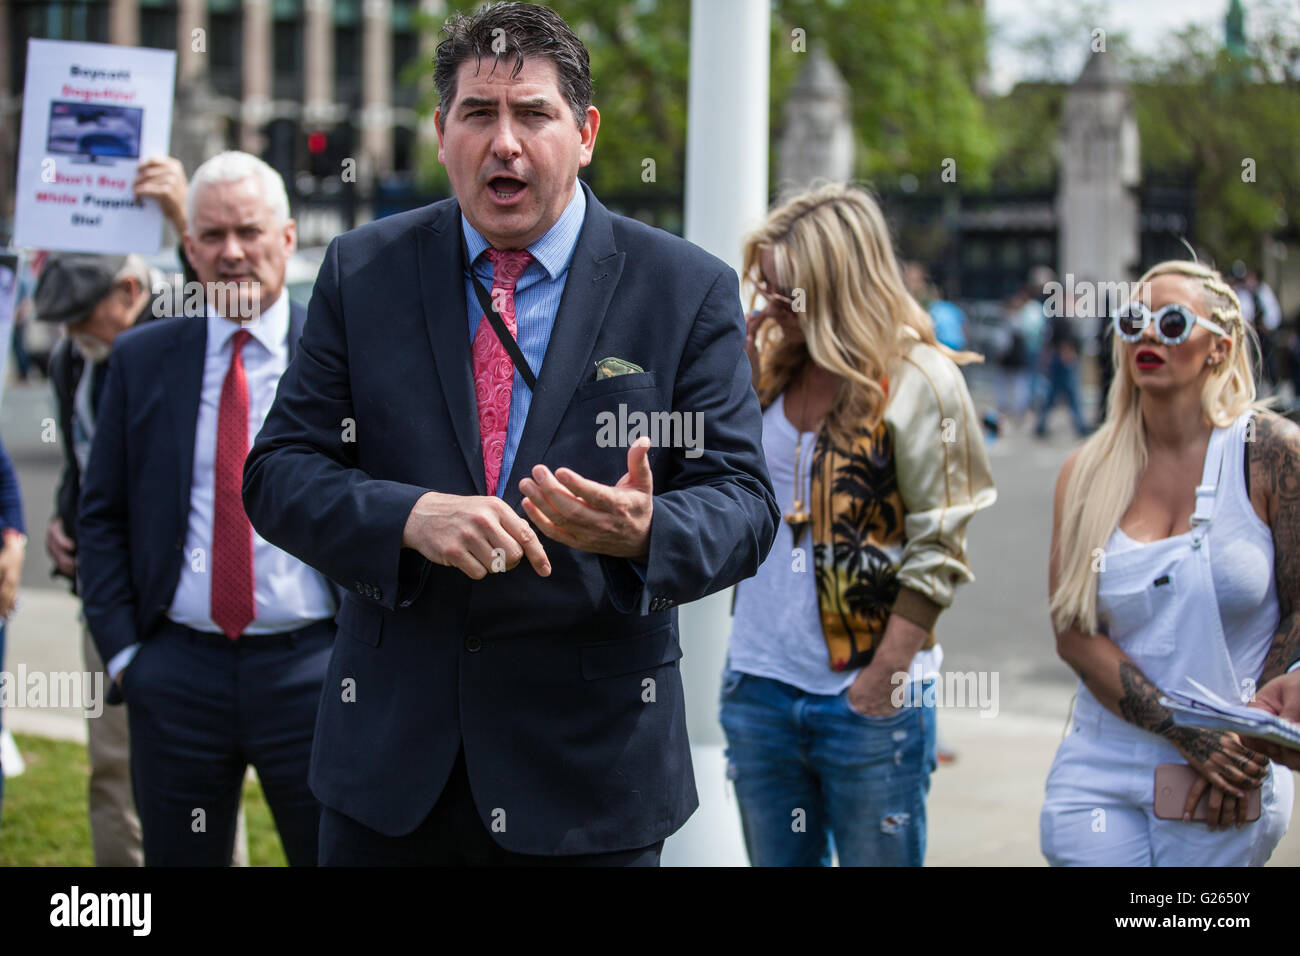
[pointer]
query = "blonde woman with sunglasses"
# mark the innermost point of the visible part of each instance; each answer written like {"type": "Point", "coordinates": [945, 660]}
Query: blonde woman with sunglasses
{"type": "Point", "coordinates": [1175, 550]}
{"type": "Point", "coordinates": [876, 457]}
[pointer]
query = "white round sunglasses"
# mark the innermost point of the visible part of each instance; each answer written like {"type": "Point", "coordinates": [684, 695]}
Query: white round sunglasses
{"type": "Point", "coordinates": [1173, 323]}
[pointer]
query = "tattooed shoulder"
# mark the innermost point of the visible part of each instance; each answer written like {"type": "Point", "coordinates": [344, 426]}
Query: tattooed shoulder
{"type": "Point", "coordinates": [1275, 465]}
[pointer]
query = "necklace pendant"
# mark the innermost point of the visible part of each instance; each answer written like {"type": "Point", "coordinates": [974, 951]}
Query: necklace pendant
{"type": "Point", "coordinates": [797, 520]}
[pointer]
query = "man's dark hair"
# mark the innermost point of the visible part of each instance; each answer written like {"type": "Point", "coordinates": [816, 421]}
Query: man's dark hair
{"type": "Point", "coordinates": [500, 31]}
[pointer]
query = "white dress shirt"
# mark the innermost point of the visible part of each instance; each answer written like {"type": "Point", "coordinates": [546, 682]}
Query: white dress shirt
{"type": "Point", "coordinates": [288, 593]}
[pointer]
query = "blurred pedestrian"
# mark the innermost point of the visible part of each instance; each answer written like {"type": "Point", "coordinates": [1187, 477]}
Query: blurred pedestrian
{"type": "Point", "coordinates": [1014, 376]}
{"type": "Point", "coordinates": [1063, 357]}
{"type": "Point", "coordinates": [1157, 576]}
{"type": "Point", "coordinates": [29, 274]}
{"type": "Point", "coordinates": [874, 449]}
{"type": "Point", "coordinates": [1033, 325]}
{"type": "Point", "coordinates": [1260, 309]}
{"type": "Point", "coordinates": [949, 320]}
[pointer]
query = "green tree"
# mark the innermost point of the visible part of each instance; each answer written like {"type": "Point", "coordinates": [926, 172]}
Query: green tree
{"type": "Point", "coordinates": [1231, 121]}
{"type": "Point", "coordinates": [1234, 122]}
{"type": "Point", "coordinates": [911, 66]}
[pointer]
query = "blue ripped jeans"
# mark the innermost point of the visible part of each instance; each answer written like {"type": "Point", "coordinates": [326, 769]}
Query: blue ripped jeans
{"type": "Point", "coordinates": [813, 775]}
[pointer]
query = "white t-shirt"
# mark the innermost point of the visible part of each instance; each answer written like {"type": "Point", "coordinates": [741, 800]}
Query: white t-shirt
{"type": "Point", "coordinates": [777, 630]}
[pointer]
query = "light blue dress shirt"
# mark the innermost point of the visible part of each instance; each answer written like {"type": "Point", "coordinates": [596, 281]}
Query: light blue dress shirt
{"type": "Point", "coordinates": [537, 300]}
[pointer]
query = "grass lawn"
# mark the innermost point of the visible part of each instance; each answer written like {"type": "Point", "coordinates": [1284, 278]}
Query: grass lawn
{"type": "Point", "coordinates": [45, 819]}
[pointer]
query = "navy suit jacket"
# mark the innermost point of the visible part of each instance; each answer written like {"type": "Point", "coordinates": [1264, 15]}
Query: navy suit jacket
{"type": "Point", "coordinates": [565, 690]}
{"type": "Point", "coordinates": [135, 495]}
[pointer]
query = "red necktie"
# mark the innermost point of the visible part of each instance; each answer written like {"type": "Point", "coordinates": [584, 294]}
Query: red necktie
{"type": "Point", "coordinates": [233, 607]}
{"type": "Point", "coordinates": [494, 373]}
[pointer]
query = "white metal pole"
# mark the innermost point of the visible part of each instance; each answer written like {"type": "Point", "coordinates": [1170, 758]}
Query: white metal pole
{"type": "Point", "coordinates": [726, 197]}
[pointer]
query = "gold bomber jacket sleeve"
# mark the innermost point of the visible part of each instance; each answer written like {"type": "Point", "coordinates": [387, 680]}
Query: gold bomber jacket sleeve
{"type": "Point", "coordinates": [943, 476]}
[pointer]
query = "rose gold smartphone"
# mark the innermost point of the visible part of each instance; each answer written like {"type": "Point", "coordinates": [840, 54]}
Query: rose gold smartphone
{"type": "Point", "coordinates": [1174, 780]}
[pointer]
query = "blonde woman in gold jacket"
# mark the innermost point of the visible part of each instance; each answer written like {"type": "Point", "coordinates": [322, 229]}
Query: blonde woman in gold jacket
{"type": "Point", "coordinates": [875, 452]}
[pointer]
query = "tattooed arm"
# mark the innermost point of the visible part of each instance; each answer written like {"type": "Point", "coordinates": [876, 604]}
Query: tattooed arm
{"type": "Point", "coordinates": [1275, 492]}
{"type": "Point", "coordinates": [1121, 687]}
{"type": "Point", "coordinates": [1107, 671]}
{"type": "Point", "coordinates": [1275, 476]}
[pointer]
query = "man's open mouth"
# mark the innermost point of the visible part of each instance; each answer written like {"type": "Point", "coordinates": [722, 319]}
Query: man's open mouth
{"type": "Point", "coordinates": [506, 187]}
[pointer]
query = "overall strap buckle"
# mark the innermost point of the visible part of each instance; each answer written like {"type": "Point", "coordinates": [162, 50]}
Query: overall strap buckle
{"type": "Point", "coordinates": [1206, 490]}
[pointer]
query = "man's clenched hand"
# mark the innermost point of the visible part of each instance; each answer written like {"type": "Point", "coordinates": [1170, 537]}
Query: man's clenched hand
{"type": "Point", "coordinates": [472, 533]}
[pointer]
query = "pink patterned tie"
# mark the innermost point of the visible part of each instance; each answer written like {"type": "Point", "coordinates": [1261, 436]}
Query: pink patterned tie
{"type": "Point", "coordinates": [494, 373]}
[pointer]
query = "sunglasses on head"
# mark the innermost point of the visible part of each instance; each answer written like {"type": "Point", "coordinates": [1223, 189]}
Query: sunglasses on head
{"type": "Point", "coordinates": [1173, 323]}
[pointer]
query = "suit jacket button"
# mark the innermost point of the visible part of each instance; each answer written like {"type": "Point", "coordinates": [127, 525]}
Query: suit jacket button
{"type": "Point", "coordinates": [472, 643]}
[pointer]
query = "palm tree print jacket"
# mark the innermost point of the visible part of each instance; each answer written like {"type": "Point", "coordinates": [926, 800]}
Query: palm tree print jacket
{"type": "Point", "coordinates": [889, 512]}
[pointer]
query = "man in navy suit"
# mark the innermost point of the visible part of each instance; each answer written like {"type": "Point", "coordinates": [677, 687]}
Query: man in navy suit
{"type": "Point", "coordinates": [217, 640]}
{"type": "Point", "coordinates": [497, 696]}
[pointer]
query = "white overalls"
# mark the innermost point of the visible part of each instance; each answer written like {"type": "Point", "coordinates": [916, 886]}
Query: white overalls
{"type": "Point", "coordinates": [1204, 604]}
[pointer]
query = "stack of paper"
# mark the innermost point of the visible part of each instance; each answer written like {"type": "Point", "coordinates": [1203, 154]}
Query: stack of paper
{"type": "Point", "coordinates": [1207, 710]}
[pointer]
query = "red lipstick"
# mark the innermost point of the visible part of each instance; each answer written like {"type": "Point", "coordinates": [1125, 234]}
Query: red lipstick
{"type": "Point", "coordinates": [1147, 359]}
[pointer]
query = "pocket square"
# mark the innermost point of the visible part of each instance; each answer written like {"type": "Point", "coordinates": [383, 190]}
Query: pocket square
{"type": "Point", "coordinates": [609, 367]}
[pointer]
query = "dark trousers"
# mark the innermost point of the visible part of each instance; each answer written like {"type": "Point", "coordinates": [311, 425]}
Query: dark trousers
{"type": "Point", "coordinates": [452, 834]}
{"type": "Point", "coordinates": [204, 707]}
{"type": "Point", "coordinates": [1063, 382]}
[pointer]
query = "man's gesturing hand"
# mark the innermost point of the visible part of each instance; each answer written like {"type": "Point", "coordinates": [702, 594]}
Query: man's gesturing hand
{"type": "Point", "coordinates": [470, 533]}
{"type": "Point", "coordinates": [593, 517]}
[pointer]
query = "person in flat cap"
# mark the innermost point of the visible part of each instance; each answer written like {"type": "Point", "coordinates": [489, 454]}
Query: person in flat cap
{"type": "Point", "coordinates": [95, 298]}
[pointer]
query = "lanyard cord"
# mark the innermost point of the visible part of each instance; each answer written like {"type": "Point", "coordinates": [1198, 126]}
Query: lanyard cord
{"type": "Point", "coordinates": [498, 326]}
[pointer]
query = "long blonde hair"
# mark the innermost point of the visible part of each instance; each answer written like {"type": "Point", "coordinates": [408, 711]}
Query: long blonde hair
{"type": "Point", "coordinates": [831, 246]}
{"type": "Point", "coordinates": [1106, 471]}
